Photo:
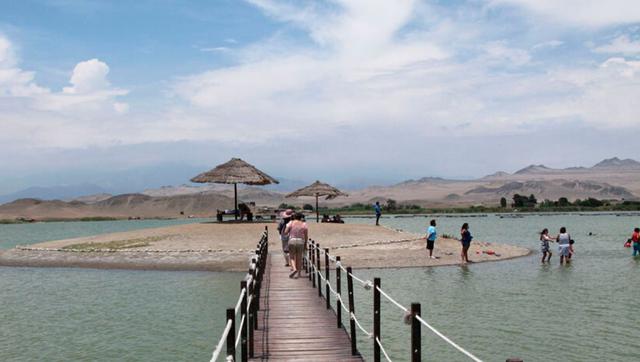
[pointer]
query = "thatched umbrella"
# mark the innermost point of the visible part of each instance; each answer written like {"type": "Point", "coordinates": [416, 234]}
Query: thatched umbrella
{"type": "Point", "coordinates": [235, 171]}
{"type": "Point", "coordinates": [318, 189]}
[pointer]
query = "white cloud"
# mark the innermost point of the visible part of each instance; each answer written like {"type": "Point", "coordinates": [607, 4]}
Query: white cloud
{"type": "Point", "coordinates": [34, 115]}
{"type": "Point", "coordinates": [548, 44]}
{"type": "Point", "coordinates": [592, 13]}
{"type": "Point", "coordinates": [500, 52]}
{"type": "Point", "coordinates": [620, 45]}
{"type": "Point", "coordinates": [88, 76]}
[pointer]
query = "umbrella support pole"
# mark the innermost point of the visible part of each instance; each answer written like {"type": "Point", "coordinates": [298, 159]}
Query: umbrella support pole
{"type": "Point", "coordinates": [317, 211]}
{"type": "Point", "coordinates": [235, 198]}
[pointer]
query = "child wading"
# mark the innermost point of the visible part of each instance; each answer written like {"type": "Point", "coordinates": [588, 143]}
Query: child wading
{"type": "Point", "coordinates": [635, 238]}
{"type": "Point", "coordinates": [544, 244]}
{"type": "Point", "coordinates": [564, 244]}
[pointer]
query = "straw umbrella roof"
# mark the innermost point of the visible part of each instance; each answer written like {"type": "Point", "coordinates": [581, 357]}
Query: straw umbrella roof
{"type": "Point", "coordinates": [318, 189]}
{"type": "Point", "coordinates": [235, 171]}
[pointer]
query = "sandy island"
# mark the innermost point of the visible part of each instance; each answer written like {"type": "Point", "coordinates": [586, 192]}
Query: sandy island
{"type": "Point", "coordinates": [228, 247]}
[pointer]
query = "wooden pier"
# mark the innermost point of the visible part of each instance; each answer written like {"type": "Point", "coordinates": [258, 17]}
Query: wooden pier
{"type": "Point", "coordinates": [282, 319]}
{"type": "Point", "coordinates": [294, 324]}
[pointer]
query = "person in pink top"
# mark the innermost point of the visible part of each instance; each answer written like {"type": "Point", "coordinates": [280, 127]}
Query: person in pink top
{"type": "Point", "coordinates": [298, 235]}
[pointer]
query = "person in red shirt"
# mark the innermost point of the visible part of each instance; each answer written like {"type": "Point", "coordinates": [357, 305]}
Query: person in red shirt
{"type": "Point", "coordinates": [636, 241]}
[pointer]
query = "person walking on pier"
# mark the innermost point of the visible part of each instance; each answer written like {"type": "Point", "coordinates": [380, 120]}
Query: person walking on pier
{"type": "Point", "coordinates": [465, 239]}
{"type": "Point", "coordinates": [544, 244]}
{"type": "Point", "coordinates": [564, 244]}
{"type": "Point", "coordinates": [431, 238]}
{"type": "Point", "coordinates": [284, 238]}
{"type": "Point", "coordinates": [298, 235]}
{"type": "Point", "coordinates": [378, 209]}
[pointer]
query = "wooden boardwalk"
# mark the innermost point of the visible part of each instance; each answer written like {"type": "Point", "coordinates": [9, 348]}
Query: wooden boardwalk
{"type": "Point", "coordinates": [294, 323]}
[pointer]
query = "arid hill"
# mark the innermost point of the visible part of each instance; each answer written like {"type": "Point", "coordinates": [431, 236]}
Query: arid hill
{"type": "Point", "coordinates": [611, 179]}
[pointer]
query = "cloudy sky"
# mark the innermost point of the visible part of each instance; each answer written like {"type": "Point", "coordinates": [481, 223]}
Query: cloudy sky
{"type": "Point", "coordinates": [342, 90]}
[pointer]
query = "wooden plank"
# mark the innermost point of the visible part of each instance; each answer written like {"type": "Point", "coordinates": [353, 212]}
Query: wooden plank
{"type": "Point", "coordinates": [294, 323]}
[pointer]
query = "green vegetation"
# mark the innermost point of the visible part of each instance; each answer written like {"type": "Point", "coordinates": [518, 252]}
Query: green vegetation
{"type": "Point", "coordinates": [115, 244]}
{"type": "Point", "coordinates": [525, 204]}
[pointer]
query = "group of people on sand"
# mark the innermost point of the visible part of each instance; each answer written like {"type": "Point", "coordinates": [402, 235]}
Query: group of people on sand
{"type": "Point", "coordinates": [332, 219]}
{"type": "Point", "coordinates": [294, 234]}
{"type": "Point", "coordinates": [465, 241]}
{"type": "Point", "coordinates": [565, 245]}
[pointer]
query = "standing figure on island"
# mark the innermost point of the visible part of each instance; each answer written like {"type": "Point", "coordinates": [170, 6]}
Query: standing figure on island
{"type": "Point", "coordinates": [465, 239]}
{"type": "Point", "coordinates": [432, 234]}
{"type": "Point", "coordinates": [378, 211]}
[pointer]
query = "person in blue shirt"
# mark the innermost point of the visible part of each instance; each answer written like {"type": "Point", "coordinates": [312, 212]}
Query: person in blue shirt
{"type": "Point", "coordinates": [431, 238]}
{"type": "Point", "coordinates": [378, 211]}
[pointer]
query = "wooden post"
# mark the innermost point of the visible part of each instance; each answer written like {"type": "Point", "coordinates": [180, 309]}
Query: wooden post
{"type": "Point", "coordinates": [376, 320]}
{"type": "Point", "coordinates": [327, 291]}
{"type": "Point", "coordinates": [252, 319]}
{"type": "Point", "coordinates": [243, 328]}
{"type": "Point", "coordinates": [317, 211]}
{"type": "Point", "coordinates": [318, 269]}
{"type": "Point", "coordinates": [256, 290]}
{"type": "Point", "coordinates": [231, 337]}
{"type": "Point", "coordinates": [254, 301]}
{"type": "Point", "coordinates": [339, 291]}
{"type": "Point", "coordinates": [416, 338]}
{"type": "Point", "coordinates": [309, 269]}
{"type": "Point", "coordinates": [313, 262]}
{"type": "Point", "coordinates": [352, 310]}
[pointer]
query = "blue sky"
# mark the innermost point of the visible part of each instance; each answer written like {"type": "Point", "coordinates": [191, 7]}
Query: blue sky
{"type": "Point", "coordinates": [342, 90]}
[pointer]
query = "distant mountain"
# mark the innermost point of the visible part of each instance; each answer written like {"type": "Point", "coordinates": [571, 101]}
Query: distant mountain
{"type": "Point", "coordinates": [428, 179]}
{"type": "Point", "coordinates": [554, 189]}
{"type": "Point", "coordinates": [615, 162]}
{"type": "Point", "coordinates": [90, 199]}
{"type": "Point", "coordinates": [499, 174]}
{"type": "Point", "coordinates": [532, 169]}
{"type": "Point", "coordinates": [64, 192]}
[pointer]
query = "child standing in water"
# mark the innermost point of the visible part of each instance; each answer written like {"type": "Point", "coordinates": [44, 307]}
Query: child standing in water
{"type": "Point", "coordinates": [544, 244]}
{"type": "Point", "coordinates": [635, 238]}
{"type": "Point", "coordinates": [563, 245]}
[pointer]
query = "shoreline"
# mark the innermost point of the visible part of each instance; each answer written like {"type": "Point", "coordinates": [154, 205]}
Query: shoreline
{"type": "Point", "coordinates": [228, 247]}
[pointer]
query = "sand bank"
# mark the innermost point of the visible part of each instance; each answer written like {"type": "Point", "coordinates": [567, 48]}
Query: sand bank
{"type": "Point", "coordinates": [228, 247]}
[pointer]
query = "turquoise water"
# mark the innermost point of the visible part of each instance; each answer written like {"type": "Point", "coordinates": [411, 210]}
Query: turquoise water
{"type": "Point", "coordinates": [14, 234]}
{"type": "Point", "coordinates": [582, 312]}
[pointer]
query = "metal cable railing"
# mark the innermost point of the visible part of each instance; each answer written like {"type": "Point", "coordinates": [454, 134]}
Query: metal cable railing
{"type": "Point", "coordinates": [412, 315]}
{"type": "Point", "coordinates": [247, 306]}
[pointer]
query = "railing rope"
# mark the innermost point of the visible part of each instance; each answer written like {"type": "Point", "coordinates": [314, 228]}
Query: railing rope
{"type": "Point", "coordinates": [414, 314]}
{"type": "Point", "coordinates": [247, 308]}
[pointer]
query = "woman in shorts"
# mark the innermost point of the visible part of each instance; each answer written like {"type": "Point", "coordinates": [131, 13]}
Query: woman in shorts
{"type": "Point", "coordinates": [298, 235]}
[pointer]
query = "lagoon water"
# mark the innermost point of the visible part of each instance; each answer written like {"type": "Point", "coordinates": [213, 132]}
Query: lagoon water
{"type": "Point", "coordinates": [586, 311]}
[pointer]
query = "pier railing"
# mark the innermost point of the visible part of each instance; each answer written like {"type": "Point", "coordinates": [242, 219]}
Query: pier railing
{"type": "Point", "coordinates": [312, 263]}
{"type": "Point", "coordinates": [246, 309]}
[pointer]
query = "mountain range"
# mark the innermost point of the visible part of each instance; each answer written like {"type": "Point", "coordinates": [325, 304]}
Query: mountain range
{"type": "Point", "coordinates": [613, 178]}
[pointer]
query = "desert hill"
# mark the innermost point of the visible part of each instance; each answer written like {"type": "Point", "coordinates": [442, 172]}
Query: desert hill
{"type": "Point", "coordinates": [611, 179]}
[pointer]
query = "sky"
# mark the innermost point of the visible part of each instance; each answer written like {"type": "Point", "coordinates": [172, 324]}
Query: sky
{"type": "Point", "coordinates": [347, 91]}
